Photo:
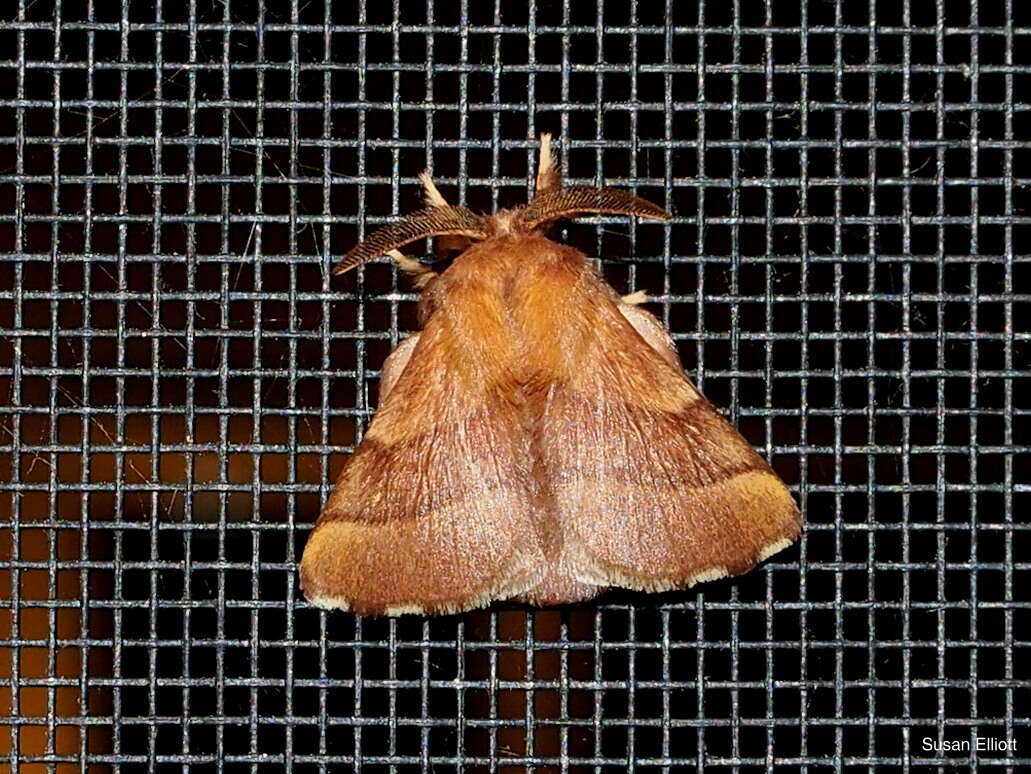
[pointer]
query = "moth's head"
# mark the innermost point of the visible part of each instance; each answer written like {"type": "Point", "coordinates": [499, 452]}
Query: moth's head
{"type": "Point", "coordinates": [551, 202]}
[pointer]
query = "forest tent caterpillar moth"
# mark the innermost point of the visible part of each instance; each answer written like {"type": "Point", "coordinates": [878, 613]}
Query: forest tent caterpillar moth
{"type": "Point", "coordinates": [538, 438]}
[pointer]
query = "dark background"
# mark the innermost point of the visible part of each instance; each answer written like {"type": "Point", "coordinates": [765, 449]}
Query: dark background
{"type": "Point", "coordinates": [181, 378]}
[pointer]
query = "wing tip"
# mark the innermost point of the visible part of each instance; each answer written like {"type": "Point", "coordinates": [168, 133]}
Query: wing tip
{"type": "Point", "coordinates": [328, 602]}
{"type": "Point", "coordinates": [775, 548]}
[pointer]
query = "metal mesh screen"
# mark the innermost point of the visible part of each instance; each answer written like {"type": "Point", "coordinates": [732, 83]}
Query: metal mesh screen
{"type": "Point", "coordinates": [181, 378]}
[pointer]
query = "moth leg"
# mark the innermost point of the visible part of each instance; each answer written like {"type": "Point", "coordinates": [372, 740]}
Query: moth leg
{"type": "Point", "coordinates": [395, 365]}
{"type": "Point", "coordinates": [420, 275]}
{"type": "Point", "coordinates": [649, 328]}
{"type": "Point", "coordinates": [432, 194]}
{"type": "Point", "coordinates": [548, 176]}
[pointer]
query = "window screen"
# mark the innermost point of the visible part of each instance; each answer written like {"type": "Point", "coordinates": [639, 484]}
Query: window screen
{"type": "Point", "coordinates": [181, 378]}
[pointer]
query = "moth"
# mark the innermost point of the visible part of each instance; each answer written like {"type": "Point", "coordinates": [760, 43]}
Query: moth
{"type": "Point", "coordinates": [537, 439]}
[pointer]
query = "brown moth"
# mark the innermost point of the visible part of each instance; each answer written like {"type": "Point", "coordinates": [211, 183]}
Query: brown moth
{"type": "Point", "coordinates": [538, 439]}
